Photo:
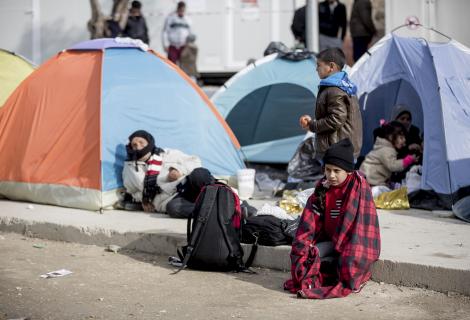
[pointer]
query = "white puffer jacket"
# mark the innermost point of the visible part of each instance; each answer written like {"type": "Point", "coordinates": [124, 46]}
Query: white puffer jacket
{"type": "Point", "coordinates": [133, 176]}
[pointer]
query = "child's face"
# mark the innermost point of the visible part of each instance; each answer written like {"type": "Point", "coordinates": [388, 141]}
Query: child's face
{"type": "Point", "coordinates": [400, 142]}
{"type": "Point", "coordinates": [335, 175]}
{"type": "Point", "coordinates": [138, 143]}
{"type": "Point", "coordinates": [326, 69]}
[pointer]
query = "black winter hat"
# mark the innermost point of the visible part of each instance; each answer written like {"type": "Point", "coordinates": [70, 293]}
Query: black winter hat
{"type": "Point", "coordinates": [143, 134]}
{"type": "Point", "coordinates": [341, 154]}
{"type": "Point", "coordinates": [137, 154]}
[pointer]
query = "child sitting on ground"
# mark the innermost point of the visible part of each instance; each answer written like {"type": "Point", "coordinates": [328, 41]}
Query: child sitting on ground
{"type": "Point", "coordinates": [382, 161]}
{"type": "Point", "coordinates": [338, 238]}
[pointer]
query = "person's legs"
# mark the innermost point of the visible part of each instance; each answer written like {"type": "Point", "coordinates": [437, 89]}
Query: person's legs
{"type": "Point", "coordinates": [325, 248]}
{"type": "Point", "coordinates": [179, 207]}
{"type": "Point", "coordinates": [329, 262]}
{"type": "Point", "coordinates": [326, 42]}
{"type": "Point", "coordinates": [173, 54]}
{"type": "Point", "coordinates": [360, 46]}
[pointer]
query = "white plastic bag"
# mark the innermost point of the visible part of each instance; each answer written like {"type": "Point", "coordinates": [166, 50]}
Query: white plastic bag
{"type": "Point", "coordinates": [413, 179]}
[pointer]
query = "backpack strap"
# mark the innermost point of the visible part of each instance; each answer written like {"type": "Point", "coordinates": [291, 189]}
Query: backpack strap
{"type": "Point", "coordinates": [240, 266]}
{"type": "Point", "coordinates": [234, 247]}
{"type": "Point", "coordinates": [254, 249]}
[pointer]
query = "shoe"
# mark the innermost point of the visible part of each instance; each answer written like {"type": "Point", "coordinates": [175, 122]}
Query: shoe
{"type": "Point", "coordinates": [130, 205]}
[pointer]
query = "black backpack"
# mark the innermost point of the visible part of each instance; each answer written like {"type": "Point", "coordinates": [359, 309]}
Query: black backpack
{"type": "Point", "coordinates": [214, 232]}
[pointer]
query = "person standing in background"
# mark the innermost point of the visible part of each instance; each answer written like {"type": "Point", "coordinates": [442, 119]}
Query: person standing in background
{"type": "Point", "coordinates": [362, 27]}
{"type": "Point", "coordinates": [188, 58]}
{"type": "Point", "coordinates": [176, 30]}
{"type": "Point", "coordinates": [136, 27]}
{"type": "Point", "coordinates": [332, 17]}
{"type": "Point", "coordinates": [298, 25]}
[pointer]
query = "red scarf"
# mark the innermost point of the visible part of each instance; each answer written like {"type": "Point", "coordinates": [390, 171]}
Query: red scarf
{"type": "Point", "coordinates": [357, 242]}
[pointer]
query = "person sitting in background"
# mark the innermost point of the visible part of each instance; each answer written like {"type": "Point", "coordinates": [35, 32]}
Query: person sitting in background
{"type": "Point", "coordinates": [298, 26]}
{"type": "Point", "coordinates": [338, 238]}
{"type": "Point", "coordinates": [382, 160]}
{"type": "Point", "coordinates": [151, 175]}
{"type": "Point", "coordinates": [188, 58]}
{"type": "Point", "coordinates": [412, 134]}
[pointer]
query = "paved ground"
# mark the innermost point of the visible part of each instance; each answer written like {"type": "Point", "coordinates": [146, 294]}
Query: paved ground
{"type": "Point", "coordinates": [410, 236]}
{"type": "Point", "coordinates": [419, 248]}
{"type": "Point", "coordinates": [128, 285]}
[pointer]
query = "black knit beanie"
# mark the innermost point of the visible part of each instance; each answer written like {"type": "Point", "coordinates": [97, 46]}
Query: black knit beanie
{"type": "Point", "coordinates": [341, 154]}
{"type": "Point", "coordinates": [137, 154]}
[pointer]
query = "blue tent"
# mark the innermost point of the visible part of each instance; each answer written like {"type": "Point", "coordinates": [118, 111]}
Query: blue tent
{"type": "Point", "coordinates": [262, 105]}
{"type": "Point", "coordinates": [433, 79]}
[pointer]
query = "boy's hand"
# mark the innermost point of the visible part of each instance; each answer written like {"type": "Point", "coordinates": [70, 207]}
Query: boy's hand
{"type": "Point", "coordinates": [148, 207]}
{"type": "Point", "coordinates": [305, 121]}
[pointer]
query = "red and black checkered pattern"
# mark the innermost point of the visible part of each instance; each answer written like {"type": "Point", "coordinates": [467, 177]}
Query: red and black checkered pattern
{"type": "Point", "coordinates": [357, 242]}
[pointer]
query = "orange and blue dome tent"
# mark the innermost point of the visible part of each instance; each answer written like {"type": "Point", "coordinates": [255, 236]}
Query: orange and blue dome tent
{"type": "Point", "coordinates": [13, 69]}
{"type": "Point", "coordinates": [63, 131]}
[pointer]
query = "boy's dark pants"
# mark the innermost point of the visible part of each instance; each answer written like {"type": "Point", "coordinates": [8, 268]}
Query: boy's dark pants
{"type": "Point", "coordinates": [179, 207]}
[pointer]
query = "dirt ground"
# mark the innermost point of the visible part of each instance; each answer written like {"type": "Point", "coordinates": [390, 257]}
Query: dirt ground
{"type": "Point", "coordinates": [129, 285]}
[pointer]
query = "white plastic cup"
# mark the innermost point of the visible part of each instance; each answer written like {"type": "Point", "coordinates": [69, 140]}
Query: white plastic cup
{"type": "Point", "coordinates": [246, 183]}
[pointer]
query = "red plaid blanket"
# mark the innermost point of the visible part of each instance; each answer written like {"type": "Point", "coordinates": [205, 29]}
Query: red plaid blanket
{"type": "Point", "coordinates": [357, 242]}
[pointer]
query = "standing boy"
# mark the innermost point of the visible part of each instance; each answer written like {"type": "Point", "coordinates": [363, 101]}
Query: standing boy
{"type": "Point", "coordinates": [338, 238]}
{"type": "Point", "coordinates": [337, 114]}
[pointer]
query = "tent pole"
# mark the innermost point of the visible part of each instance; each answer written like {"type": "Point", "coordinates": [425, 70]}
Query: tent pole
{"type": "Point", "coordinates": [420, 25]}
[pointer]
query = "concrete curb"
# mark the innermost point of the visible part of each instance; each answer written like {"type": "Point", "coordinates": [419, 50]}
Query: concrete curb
{"type": "Point", "coordinates": [165, 243]}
